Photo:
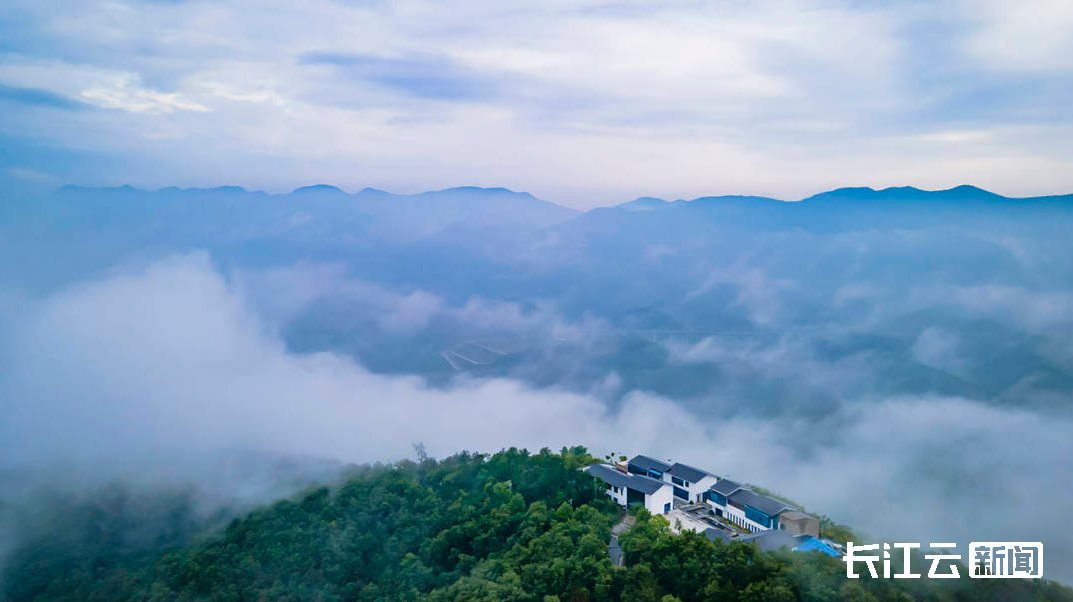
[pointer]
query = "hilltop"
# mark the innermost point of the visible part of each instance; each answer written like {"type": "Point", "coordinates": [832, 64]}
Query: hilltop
{"type": "Point", "coordinates": [506, 526]}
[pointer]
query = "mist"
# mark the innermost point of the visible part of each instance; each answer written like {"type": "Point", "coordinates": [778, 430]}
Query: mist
{"type": "Point", "coordinates": [152, 376]}
{"type": "Point", "coordinates": [904, 370]}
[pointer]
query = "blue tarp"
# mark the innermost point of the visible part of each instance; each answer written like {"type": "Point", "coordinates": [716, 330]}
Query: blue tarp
{"type": "Point", "coordinates": [814, 544]}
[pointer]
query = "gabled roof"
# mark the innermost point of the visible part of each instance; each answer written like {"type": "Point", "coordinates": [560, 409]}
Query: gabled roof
{"type": "Point", "coordinates": [763, 503]}
{"type": "Point", "coordinates": [612, 476]}
{"type": "Point", "coordinates": [687, 472]}
{"type": "Point", "coordinates": [713, 534]}
{"type": "Point", "coordinates": [772, 539]}
{"type": "Point", "coordinates": [725, 487]}
{"type": "Point", "coordinates": [649, 463]}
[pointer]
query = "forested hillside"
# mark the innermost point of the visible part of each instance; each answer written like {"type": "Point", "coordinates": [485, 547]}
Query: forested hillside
{"type": "Point", "coordinates": [508, 526]}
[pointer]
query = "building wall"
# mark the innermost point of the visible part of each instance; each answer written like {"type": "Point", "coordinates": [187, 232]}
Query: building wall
{"type": "Point", "coordinates": [696, 490]}
{"type": "Point", "coordinates": [653, 503]}
{"type": "Point", "coordinates": [656, 502]}
{"type": "Point", "coordinates": [801, 526]}
{"type": "Point", "coordinates": [618, 497]}
{"type": "Point", "coordinates": [737, 516]}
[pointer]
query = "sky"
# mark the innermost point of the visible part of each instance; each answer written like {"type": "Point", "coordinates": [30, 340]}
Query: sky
{"type": "Point", "coordinates": [584, 104]}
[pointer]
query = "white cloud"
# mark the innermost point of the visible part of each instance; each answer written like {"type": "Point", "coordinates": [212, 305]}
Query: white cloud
{"type": "Point", "coordinates": [163, 365]}
{"type": "Point", "coordinates": [939, 349]}
{"type": "Point", "coordinates": [282, 294]}
{"type": "Point", "coordinates": [126, 93]}
{"type": "Point", "coordinates": [32, 175]}
{"type": "Point", "coordinates": [1037, 312]}
{"type": "Point", "coordinates": [595, 103]}
{"type": "Point", "coordinates": [1026, 36]}
{"type": "Point", "coordinates": [757, 292]}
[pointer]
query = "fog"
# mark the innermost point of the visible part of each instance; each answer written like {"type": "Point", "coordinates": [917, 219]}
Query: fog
{"type": "Point", "coordinates": [911, 380]}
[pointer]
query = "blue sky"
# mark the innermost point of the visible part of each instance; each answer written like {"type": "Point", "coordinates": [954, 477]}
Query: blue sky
{"type": "Point", "coordinates": [581, 103]}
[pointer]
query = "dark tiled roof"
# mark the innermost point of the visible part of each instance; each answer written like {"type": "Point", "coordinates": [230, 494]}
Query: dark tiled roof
{"type": "Point", "coordinates": [713, 534]}
{"type": "Point", "coordinates": [618, 478]}
{"type": "Point", "coordinates": [725, 487]}
{"type": "Point", "coordinates": [649, 463]}
{"type": "Point", "coordinates": [763, 503]}
{"type": "Point", "coordinates": [772, 539]}
{"type": "Point", "coordinates": [684, 471]}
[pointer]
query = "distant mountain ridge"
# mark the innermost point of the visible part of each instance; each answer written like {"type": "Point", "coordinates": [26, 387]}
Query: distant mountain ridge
{"type": "Point", "coordinates": [322, 212]}
{"type": "Point", "coordinates": [964, 192]}
{"type": "Point", "coordinates": [321, 209]}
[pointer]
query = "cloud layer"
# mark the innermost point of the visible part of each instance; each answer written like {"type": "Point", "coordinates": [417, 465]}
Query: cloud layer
{"type": "Point", "coordinates": [585, 104]}
{"type": "Point", "coordinates": [149, 369]}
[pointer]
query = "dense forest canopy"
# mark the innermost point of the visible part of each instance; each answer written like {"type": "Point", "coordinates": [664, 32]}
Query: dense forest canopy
{"type": "Point", "coordinates": [511, 526]}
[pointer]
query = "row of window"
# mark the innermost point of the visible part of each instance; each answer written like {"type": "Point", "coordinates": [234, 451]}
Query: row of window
{"type": "Point", "coordinates": [751, 513]}
{"type": "Point", "coordinates": [715, 497]}
{"type": "Point", "coordinates": [737, 520]}
{"type": "Point", "coordinates": [757, 516]}
{"type": "Point", "coordinates": [655, 474]}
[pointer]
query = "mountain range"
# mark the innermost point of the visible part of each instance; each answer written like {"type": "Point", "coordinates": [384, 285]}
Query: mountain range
{"type": "Point", "coordinates": [856, 321]}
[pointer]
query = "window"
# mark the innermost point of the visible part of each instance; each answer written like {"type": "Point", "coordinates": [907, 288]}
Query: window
{"type": "Point", "coordinates": [678, 481]}
{"type": "Point", "coordinates": [666, 507]}
{"type": "Point", "coordinates": [757, 516]}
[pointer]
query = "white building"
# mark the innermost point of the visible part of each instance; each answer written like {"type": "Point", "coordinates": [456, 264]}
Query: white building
{"type": "Point", "coordinates": [626, 489]}
{"type": "Point", "coordinates": [688, 484]}
{"type": "Point", "coordinates": [659, 484]}
{"type": "Point", "coordinates": [744, 507]}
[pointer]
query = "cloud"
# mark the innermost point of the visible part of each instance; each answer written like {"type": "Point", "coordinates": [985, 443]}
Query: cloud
{"type": "Point", "coordinates": [1040, 312]}
{"type": "Point", "coordinates": [125, 93]}
{"type": "Point", "coordinates": [431, 77]}
{"type": "Point", "coordinates": [939, 349]}
{"type": "Point", "coordinates": [676, 100]}
{"type": "Point", "coordinates": [30, 175]}
{"type": "Point", "coordinates": [757, 293]}
{"type": "Point", "coordinates": [134, 339]}
{"type": "Point", "coordinates": [285, 293]}
{"type": "Point", "coordinates": [1024, 36]}
{"type": "Point", "coordinates": [146, 370]}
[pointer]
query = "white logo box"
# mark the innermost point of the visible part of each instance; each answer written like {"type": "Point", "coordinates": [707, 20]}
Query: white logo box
{"type": "Point", "coordinates": [1006, 559]}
